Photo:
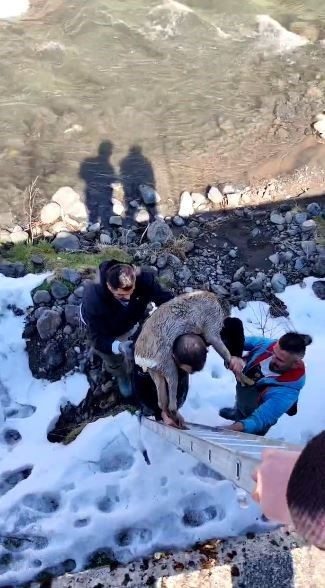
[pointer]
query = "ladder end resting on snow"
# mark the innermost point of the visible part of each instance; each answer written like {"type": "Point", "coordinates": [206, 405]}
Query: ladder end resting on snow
{"type": "Point", "coordinates": [232, 454]}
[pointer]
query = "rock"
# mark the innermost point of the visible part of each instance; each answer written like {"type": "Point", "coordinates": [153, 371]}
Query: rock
{"type": "Point", "coordinates": [184, 275]}
{"type": "Point", "coordinates": [193, 232]}
{"type": "Point", "coordinates": [178, 221]}
{"type": "Point", "coordinates": [79, 291]}
{"type": "Point", "coordinates": [167, 276]}
{"type": "Point", "coordinates": [199, 200]}
{"type": "Point", "coordinates": [94, 227]}
{"type": "Point", "coordinates": [105, 239]}
{"type": "Point", "coordinates": [162, 261]}
{"type": "Point", "coordinates": [186, 208]}
{"type": "Point", "coordinates": [12, 270]}
{"type": "Point", "coordinates": [4, 236]}
{"type": "Point", "coordinates": [115, 221]}
{"type": "Point", "coordinates": [319, 267]}
{"type": "Point", "coordinates": [174, 261]}
{"type": "Point", "coordinates": [319, 289]}
{"type": "Point", "coordinates": [67, 330]}
{"type": "Point", "coordinates": [300, 263]}
{"type": "Point", "coordinates": [50, 213]}
{"type": "Point", "coordinates": [242, 304]}
{"type": "Point", "coordinates": [300, 217]}
{"type": "Point", "coordinates": [53, 356]}
{"type": "Point", "coordinates": [72, 315]}
{"type": "Point", "coordinates": [42, 297]}
{"type": "Point", "coordinates": [59, 290]}
{"type": "Point", "coordinates": [288, 217]}
{"type": "Point", "coordinates": [239, 273]}
{"type": "Point", "coordinates": [159, 232]}
{"type": "Point", "coordinates": [237, 290]}
{"type": "Point", "coordinates": [309, 225]}
{"type": "Point", "coordinates": [279, 282]}
{"type": "Point", "coordinates": [37, 260]}
{"type": "Point", "coordinates": [274, 259]}
{"type": "Point", "coordinates": [219, 290]}
{"type": "Point", "coordinates": [142, 216]}
{"type": "Point", "coordinates": [256, 284]}
{"type": "Point", "coordinates": [314, 209]}
{"type": "Point", "coordinates": [71, 204]}
{"type": "Point", "coordinates": [188, 246]}
{"type": "Point", "coordinates": [70, 275]}
{"type": "Point", "coordinates": [276, 218]}
{"type": "Point", "coordinates": [48, 324]}
{"type": "Point", "coordinates": [149, 195]}
{"type": "Point", "coordinates": [215, 196]}
{"type": "Point", "coordinates": [232, 253]}
{"type": "Point", "coordinates": [118, 207]}
{"type": "Point", "coordinates": [233, 200]}
{"type": "Point", "coordinates": [19, 237]}
{"type": "Point", "coordinates": [134, 204]}
{"type": "Point", "coordinates": [118, 192]}
{"type": "Point", "coordinates": [255, 232]}
{"type": "Point", "coordinates": [287, 256]}
{"type": "Point", "coordinates": [308, 247]}
{"type": "Point", "coordinates": [65, 241]}
{"type": "Point", "coordinates": [72, 299]}
{"type": "Point", "coordinates": [39, 311]}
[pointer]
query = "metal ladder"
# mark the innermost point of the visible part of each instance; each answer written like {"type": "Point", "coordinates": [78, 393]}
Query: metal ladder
{"type": "Point", "coordinates": [232, 454]}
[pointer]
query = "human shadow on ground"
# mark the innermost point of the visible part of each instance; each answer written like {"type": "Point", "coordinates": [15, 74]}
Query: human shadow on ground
{"type": "Point", "coordinates": [136, 169]}
{"type": "Point", "coordinates": [98, 173]}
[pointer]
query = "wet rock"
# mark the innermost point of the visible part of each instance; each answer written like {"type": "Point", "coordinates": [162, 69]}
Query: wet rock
{"type": "Point", "coordinates": [314, 209]}
{"type": "Point", "coordinates": [65, 241]}
{"type": "Point", "coordinates": [279, 282]}
{"type": "Point", "coordinates": [319, 267]}
{"type": "Point", "coordinates": [186, 208]}
{"type": "Point", "coordinates": [48, 324]}
{"type": "Point", "coordinates": [72, 316]}
{"type": "Point", "coordinates": [71, 204]}
{"type": "Point", "coordinates": [42, 297]}
{"type": "Point", "coordinates": [237, 290]}
{"type": "Point", "coordinates": [115, 221]}
{"type": "Point", "coordinates": [59, 290]}
{"type": "Point", "coordinates": [309, 225]}
{"type": "Point", "coordinates": [4, 236]}
{"type": "Point", "coordinates": [319, 289]}
{"type": "Point", "coordinates": [50, 213]}
{"type": "Point", "coordinates": [277, 219]}
{"type": "Point", "coordinates": [53, 356]}
{"type": "Point", "coordinates": [308, 247]}
{"type": "Point", "coordinates": [300, 217]}
{"type": "Point", "coordinates": [70, 275]}
{"type": "Point", "coordinates": [178, 221]}
{"type": "Point", "coordinates": [142, 216]}
{"type": "Point", "coordinates": [215, 196]}
{"type": "Point", "coordinates": [149, 195]}
{"type": "Point", "coordinates": [19, 237]}
{"type": "Point", "coordinates": [159, 232]}
{"type": "Point", "coordinates": [219, 290]}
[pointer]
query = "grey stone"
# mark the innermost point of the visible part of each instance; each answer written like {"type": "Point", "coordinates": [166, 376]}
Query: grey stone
{"type": "Point", "coordinates": [276, 218]}
{"type": "Point", "coordinates": [256, 284]}
{"type": "Point", "coordinates": [199, 200]}
{"type": "Point", "coordinates": [37, 260]}
{"type": "Point", "coordinates": [309, 247]}
{"type": "Point", "coordinates": [94, 227]}
{"type": "Point", "coordinates": [186, 208]}
{"type": "Point", "coordinates": [50, 213]}
{"type": "Point", "coordinates": [105, 239]}
{"type": "Point", "coordinates": [48, 324]}
{"type": "Point", "coordinates": [288, 217]}
{"type": "Point", "coordinates": [134, 204]}
{"type": "Point", "coordinates": [65, 241]}
{"type": "Point", "coordinates": [178, 221]}
{"type": "Point", "coordinates": [162, 261]}
{"type": "Point", "coordinates": [314, 209]}
{"type": "Point", "coordinates": [300, 263]}
{"type": "Point", "coordinates": [287, 256]}
{"type": "Point", "coordinates": [72, 299]}
{"type": "Point", "coordinates": [149, 195]}
{"type": "Point", "coordinates": [72, 316]}
{"type": "Point", "coordinates": [274, 259]}
{"type": "Point", "coordinates": [300, 217]}
{"type": "Point", "coordinates": [184, 275]}
{"type": "Point", "coordinates": [242, 304]}
{"type": "Point", "coordinates": [167, 276]}
{"type": "Point", "coordinates": [71, 203]}
{"type": "Point", "coordinates": [237, 290]}
{"type": "Point", "coordinates": [319, 267]}
{"type": "Point", "coordinates": [309, 225]}
{"type": "Point", "coordinates": [255, 232]}
{"type": "Point", "coordinates": [219, 290]}
{"type": "Point", "coordinates": [193, 232]}
{"type": "Point", "coordinates": [53, 356]}
{"type": "Point", "coordinates": [42, 297]}
{"type": "Point", "coordinates": [70, 275]}
{"type": "Point", "coordinates": [142, 216]}
{"type": "Point", "coordinates": [68, 330]}
{"type": "Point", "coordinates": [115, 221]}
{"type": "Point", "coordinates": [239, 273]}
{"type": "Point", "coordinates": [279, 282]}
{"type": "Point", "coordinates": [159, 232]}
{"type": "Point", "coordinates": [319, 289]}
{"type": "Point", "coordinates": [39, 311]}
{"type": "Point", "coordinates": [19, 237]}
{"type": "Point", "coordinates": [59, 290]}
{"type": "Point", "coordinates": [79, 291]}
{"type": "Point", "coordinates": [232, 253]}
{"type": "Point", "coordinates": [174, 261]}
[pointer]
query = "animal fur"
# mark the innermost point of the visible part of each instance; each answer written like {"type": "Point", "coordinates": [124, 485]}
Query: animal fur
{"type": "Point", "coordinates": [197, 312]}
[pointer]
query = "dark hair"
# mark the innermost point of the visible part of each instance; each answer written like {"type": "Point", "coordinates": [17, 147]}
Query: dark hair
{"type": "Point", "coordinates": [121, 275]}
{"type": "Point", "coordinates": [190, 349]}
{"type": "Point", "coordinates": [306, 492]}
{"type": "Point", "coordinates": [295, 343]}
{"type": "Point", "coordinates": [232, 335]}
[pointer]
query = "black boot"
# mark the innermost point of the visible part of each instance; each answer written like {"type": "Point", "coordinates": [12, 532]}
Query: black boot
{"type": "Point", "coordinates": [231, 414]}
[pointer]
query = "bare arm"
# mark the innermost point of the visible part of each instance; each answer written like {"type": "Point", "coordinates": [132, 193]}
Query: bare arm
{"type": "Point", "coordinates": [160, 383]}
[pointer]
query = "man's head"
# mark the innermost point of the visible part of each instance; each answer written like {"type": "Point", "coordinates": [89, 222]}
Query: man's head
{"type": "Point", "coordinates": [289, 351]}
{"type": "Point", "coordinates": [120, 281]}
{"type": "Point", "coordinates": [190, 353]}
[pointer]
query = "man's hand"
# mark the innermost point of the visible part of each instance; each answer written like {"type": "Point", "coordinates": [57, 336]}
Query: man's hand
{"type": "Point", "coordinates": [173, 419]}
{"type": "Point", "coordinates": [236, 365]}
{"type": "Point", "coordinates": [235, 427]}
{"type": "Point", "coordinates": [272, 477]}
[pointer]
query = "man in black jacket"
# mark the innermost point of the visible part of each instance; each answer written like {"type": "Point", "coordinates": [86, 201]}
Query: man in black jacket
{"type": "Point", "coordinates": [112, 310]}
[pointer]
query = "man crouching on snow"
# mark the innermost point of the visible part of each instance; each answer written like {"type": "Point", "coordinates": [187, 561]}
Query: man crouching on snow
{"type": "Point", "coordinates": [278, 371]}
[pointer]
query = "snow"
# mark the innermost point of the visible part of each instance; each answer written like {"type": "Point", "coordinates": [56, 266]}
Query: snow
{"type": "Point", "coordinates": [12, 8]}
{"type": "Point", "coordinates": [98, 492]}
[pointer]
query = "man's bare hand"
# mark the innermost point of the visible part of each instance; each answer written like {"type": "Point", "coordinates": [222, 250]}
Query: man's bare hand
{"type": "Point", "coordinates": [173, 419]}
{"type": "Point", "coordinates": [236, 365]}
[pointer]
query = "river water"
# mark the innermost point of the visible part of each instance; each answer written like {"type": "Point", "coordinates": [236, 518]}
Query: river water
{"type": "Point", "coordinates": [183, 94]}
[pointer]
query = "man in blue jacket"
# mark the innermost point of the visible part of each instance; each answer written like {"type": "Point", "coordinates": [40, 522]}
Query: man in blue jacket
{"type": "Point", "coordinates": [278, 370]}
{"type": "Point", "coordinates": [113, 309]}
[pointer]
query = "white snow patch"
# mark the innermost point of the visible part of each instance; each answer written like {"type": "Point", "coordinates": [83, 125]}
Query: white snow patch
{"type": "Point", "coordinates": [13, 8]}
{"type": "Point", "coordinates": [275, 37]}
{"type": "Point", "coordinates": [98, 492]}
